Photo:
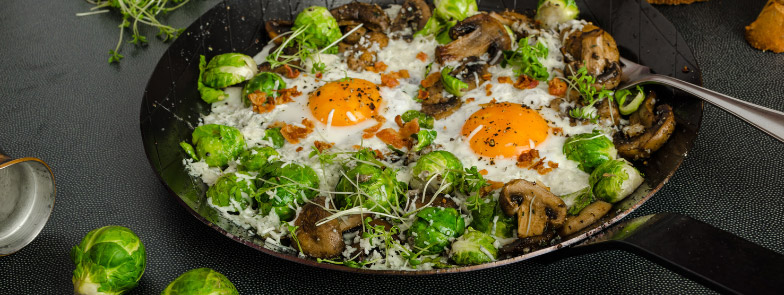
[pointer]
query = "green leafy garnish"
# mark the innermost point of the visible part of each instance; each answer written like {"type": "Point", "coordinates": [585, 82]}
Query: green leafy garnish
{"type": "Point", "coordinates": [525, 60]}
{"type": "Point", "coordinates": [583, 83]}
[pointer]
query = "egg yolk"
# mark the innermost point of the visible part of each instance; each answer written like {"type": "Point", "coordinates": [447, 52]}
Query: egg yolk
{"type": "Point", "coordinates": [504, 130]}
{"type": "Point", "coordinates": [345, 103]}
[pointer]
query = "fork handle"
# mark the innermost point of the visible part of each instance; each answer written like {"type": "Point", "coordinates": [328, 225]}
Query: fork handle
{"type": "Point", "coordinates": [765, 119]}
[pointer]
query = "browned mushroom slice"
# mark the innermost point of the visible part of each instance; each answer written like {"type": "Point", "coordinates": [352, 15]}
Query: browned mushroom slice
{"type": "Point", "coordinates": [519, 23]}
{"type": "Point", "coordinates": [276, 27]}
{"type": "Point", "coordinates": [641, 146]}
{"type": "Point", "coordinates": [608, 112]}
{"type": "Point", "coordinates": [414, 15]}
{"type": "Point", "coordinates": [363, 54]}
{"type": "Point", "coordinates": [443, 109]}
{"type": "Point", "coordinates": [371, 15]}
{"type": "Point", "coordinates": [529, 244]}
{"type": "Point", "coordinates": [471, 73]}
{"type": "Point", "coordinates": [321, 241]}
{"type": "Point", "coordinates": [594, 49]}
{"type": "Point", "coordinates": [535, 206]}
{"type": "Point", "coordinates": [354, 37]}
{"type": "Point", "coordinates": [587, 216]}
{"type": "Point", "coordinates": [475, 36]}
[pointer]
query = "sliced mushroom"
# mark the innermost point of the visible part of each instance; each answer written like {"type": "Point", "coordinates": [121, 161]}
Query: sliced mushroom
{"type": "Point", "coordinates": [661, 124]}
{"type": "Point", "coordinates": [608, 112]}
{"type": "Point", "coordinates": [355, 36]}
{"type": "Point", "coordinates": [587, 216]}
{"type": "Point", "coordinates": [443, 109]}
{"type": "Point", "coordinates": [594, 49]}
{"type": "Point", "coordinates": [326, 240]}
{"type": "Point", "coordinates": [371, 15]}
{"type": "Point", "coordinates": [535, 206]}
{"type": "Point", "coordinates": [519, 23]}
{"type": "Point", "coordinates": [529, 244]}
{"type": "Point", "coordinates": [475, 36]}
{"type": "Point", "coordinates": [363, 54]}
{"type": "Point", "coordinates": [276, 27]}
{"type": "Point", "coordinates": [413, 15]}
{"type": "Point", "coordinates": [472, 73]}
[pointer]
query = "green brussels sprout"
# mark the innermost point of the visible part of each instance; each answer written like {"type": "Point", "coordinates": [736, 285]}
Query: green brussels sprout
{"type": "Point", "coordinates": [371, 187]}
{"type": "Point", "coordinates": [614, 180]}
{"type": "Point", "coordinates": [266, 82]}
{"type": "Point", "coordinates": [474, 247]}
{"type": "Point", "coordinates": [201, 281]}
{"type": "Point", "coordinates": [576, 201]}
{"type": "Point", "coordinates": [217, 144]}
{"type": "Point", "coordinates": [553, 12]}
{"type": "Point", "coordinates": [223, 71]}
{"type": "Point", "coordinates": [257, 158]}
{"type": "Point", "coordinates": [435, 227]}
{"type": "Point", "coordinates": [444, 165]}
{"type": "Point", "coordinates": [109, 260]}
{"type": "Point", "coordinates": [424, 139]}
{"type": "Point", "coordinates": [448, 12]}
{"type": "Point", "coordinates": [488, 217]}
{"type": "Point", "coordinates": [207, 94]}
{"type": "Point", "coordinates": [230, 187]}
{"type": "Point", "coordinates": [451, 84]}
{"type": "Point", "coordinates": [274, 136]}
{"type": "Point", "coordinates": [589, 150]}
{"type": "Point", "coordinates": [288, 185]}
{"type": "Point", "coordinates": [425, 121]}
{"type": "Point", "coordinates": [627, 108]}
{"type": "Point", "coordinates": [443, 37]}
{"type": "Point", "coordinates": [322, 28]}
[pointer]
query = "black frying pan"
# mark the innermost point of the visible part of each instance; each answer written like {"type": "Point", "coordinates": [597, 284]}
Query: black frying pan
{"type": "Point", "coordinates": [171, 107]}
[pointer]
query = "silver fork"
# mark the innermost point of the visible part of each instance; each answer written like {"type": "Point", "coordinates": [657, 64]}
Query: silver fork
{"type": "Point", "coordinates": [765, 119]}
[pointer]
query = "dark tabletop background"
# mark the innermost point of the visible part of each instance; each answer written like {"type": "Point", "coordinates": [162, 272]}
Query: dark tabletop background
{"type": "Point", "coordinates": [60, 101]}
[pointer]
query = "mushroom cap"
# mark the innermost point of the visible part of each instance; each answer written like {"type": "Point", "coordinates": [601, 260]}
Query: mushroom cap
{"type": "Point", "coordinates": [659, 124]}
{"type": "Point", "coordinates": [374, 18]}
{"type": "Point", "coordinates": [475, 36]}
{"type": "Point", "coordinates": [413, 14]}
{"type": "Point", "coordinates": [594, 49]}
{"type": "Point", "coordinates": [326, 240]}
{"type": "Point", "coordinates": [535, 206]}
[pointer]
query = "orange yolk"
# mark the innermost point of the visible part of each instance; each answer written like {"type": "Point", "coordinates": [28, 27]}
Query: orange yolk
{"type": "Point", "coordinates": [504, 130]}
{"type": "Point", "coordinates": [346, 103]}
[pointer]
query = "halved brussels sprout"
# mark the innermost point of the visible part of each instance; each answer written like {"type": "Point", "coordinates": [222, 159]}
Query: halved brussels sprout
{"type": "Point", "coordinates": [230, 187]}
{"type": "Point", "coordinates": [201, 281]}
{"type": "Point", "coordinates": [109, 260]}
{"type": "Point", "coordinates": [446, 13]}
{"type": "Point", "coordinates": [589, 150]}
{"type": "Point", "coordinates": [435, 228]}
{"type": "Point", "coordinates": [322, 28]}
{"type": "Point", "coordinates": [223, 71]}
{"type": "Point", "coordinates": [274, 136]}
{"type": "Point", "coordinates": [553, 12]}
{"type": "Point", "coordinates": [371, 187]}
{"type": "Point", "coordinates": [614, 180]}
{"type": "Point", "coordinates": [288, 185]}
{"type": "Point", "coordinates": [424, 139]}
{"type": "Point", "coordinates": [576, 201]}
{"type": "Point", "coordinates": [217, 144]}
{"type": "Point", "coordinates": [474, 247]}
{"type": "Point", "coordinates": [442, 166]}
{"type": "Point", "coordinates": [266, 82]}
{"type": "Point", "coordinates": [451, 84]}
{"type": "Point", "coordinates": [425, 121]}
{"type": "Point", "coordinates": [255, 159]}
{"type": "Point", "coordinates": [488, 217]}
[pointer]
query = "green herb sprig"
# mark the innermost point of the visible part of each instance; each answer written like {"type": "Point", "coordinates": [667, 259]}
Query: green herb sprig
{"type": "Point", "coordinates": [583, 83]}
{"type": "Point", "coordinates": [135, 12]}
{"type": "Point", "coordinates": [525, 60]}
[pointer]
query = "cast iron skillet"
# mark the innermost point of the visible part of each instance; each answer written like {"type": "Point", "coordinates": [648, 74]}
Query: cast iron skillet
{"type": "Point", "coordinates": [172, 106]}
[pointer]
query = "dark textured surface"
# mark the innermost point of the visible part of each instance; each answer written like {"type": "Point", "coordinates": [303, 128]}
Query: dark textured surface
{"type": "Point", "coordinates": [62, 103]}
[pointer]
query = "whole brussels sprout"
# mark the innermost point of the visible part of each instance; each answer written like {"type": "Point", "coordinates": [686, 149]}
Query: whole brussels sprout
{"type": "Point", "coordinates": [614, 180]}
{"type": "Point", "coordinates": [201, 281]}
{"type": "Point", "coordinates": [553, 12]}
{"type": "Point", "coordinates": [287, 185]}
{"type": "Point", "coordinates": [256, 158]}
{"type": "Point", "coordinates": [589, 150]}
{"type": "Point", "coordinates": [474, 247]}
{"type": "Point", "coordinates": [109, 260]}
{"type": "Point", "coordinates": [322, 28]}
{"type": "Point", "coordinates": [371, 186]}
{"type": "Point", "coordinates": [435, 227]}
{"type": "Point", "coordinates": [441, 163]}
{"type": "Point", "coordinates": [488, 217]}
{"type": "Point", "coordinates": [217, 144]}
{"type": "Point", "coordinates": [266, 82]}
{"type": "Point", "coordinates": [230, 187]}
{"type": "Point", "coordinates": [576, 201]}
{"type": "Point", "coordinates": [223, 71]}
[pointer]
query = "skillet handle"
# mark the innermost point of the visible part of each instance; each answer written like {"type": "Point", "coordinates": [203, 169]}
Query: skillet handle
{"type": "Point", "coordinates": [700, 251]}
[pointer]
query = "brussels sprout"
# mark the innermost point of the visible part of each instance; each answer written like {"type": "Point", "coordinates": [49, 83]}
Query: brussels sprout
{"type": "Point", "coordinates": [443, 37]}
{"type": "Point", "coordinates": [435, 227]}
{"type": "Point", "coordinates": [451, 84]}
{"type": "Point", "coordinates": [322, 28]}
{"type": "Point", "coordinates": [488, 217]}
{"type": "Point", "coordinates": [474, 247]}
{"type": "Point", "coordinates": [425, 121]}
{"type": "Point", "coordinates": [266, 82]}
{"type": "Point", "coordinates": [627, 108]}
{"type": "Point", "coordinates": [447, 12]}
{"type": "Point", "coordinates": [274, 136]}
{"type": "Point", "coordinates": [207, 94]}
{"type": "Point", "coordinates": [109, 260]}
{"type": "Point", "coordinates": [589, 150]}
{"type": "Point", "coordinates": [614, 180]}
{"type": "Point", "coordinates": [576, 201]}
{"type": "Point", "coordinates": [424, 139]}
{"type": "Point", "coordinates": [255, 159]}
{"type": "Point", "coordinates": [553, 12]}
{"type": "Point", "coordinates": [223, 71]}
{"type": "Point", "coordinates": [201, 281]}
{"type": "Point", "coordinates": [444, 164]}
{"type": "Point", "coordinates": [288, 185]}
{"type": "Point", "coordinates": [217, 144]}
{"type": "Point", "coordinates": [230, 187]}
{"type": "Point", "coordinates": [371, 187]}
